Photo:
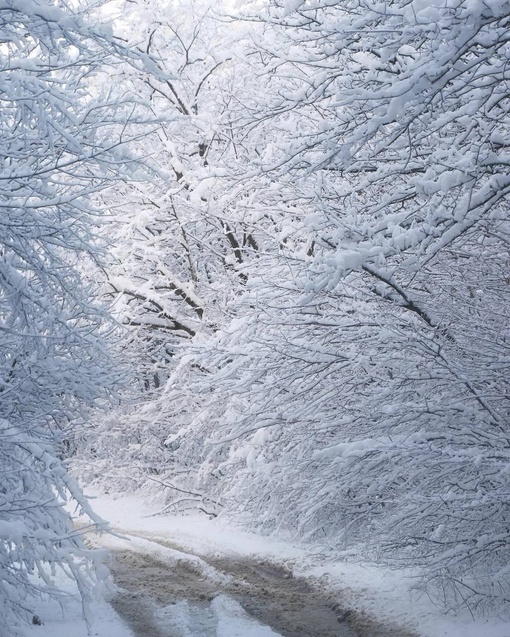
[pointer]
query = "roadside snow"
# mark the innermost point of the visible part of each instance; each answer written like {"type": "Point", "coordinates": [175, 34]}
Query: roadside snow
{"type": "Point", "coordinates": [384, 594]}
{"type": "Point", "coordinates": [65, 619]}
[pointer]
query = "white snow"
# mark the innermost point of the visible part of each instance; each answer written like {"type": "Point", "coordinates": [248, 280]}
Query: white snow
{"type": "Point", "coordinates": [224, 617]}
{"type": "Point", "coordinates": [292, 5]}
{"type": "Point", "coordinates": [64, 618]}
{"type": "Point", "coordinates": [384, 594]}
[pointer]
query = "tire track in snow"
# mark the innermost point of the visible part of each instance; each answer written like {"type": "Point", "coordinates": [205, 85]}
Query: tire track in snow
{"type": "Point", "coordinates": [165, 592]}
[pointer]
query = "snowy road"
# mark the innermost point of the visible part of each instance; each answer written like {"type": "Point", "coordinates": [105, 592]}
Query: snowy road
{"type": "Point", "coordinates": [168, 592]}
{"type": "Point", "coordinates": [199, 577]}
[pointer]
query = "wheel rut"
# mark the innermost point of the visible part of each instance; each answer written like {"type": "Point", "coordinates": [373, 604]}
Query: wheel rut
{"type": "Point", "coordinates": [291, 606]}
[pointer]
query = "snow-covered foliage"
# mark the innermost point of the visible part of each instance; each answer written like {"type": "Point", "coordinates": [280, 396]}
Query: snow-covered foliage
{"type": "Point", "coordinates": [348, 380]}
{"type": "Point", "coordinates": [364, 392]}
{"type": "Point", "coordinates": [54, 365]}
{"type": "Point", "coordinates": [36, 537]}
{"type": "Point", "coordinates": [183, 239]}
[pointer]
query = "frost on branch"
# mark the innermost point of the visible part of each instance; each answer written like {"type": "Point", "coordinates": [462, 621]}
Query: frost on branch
{"type": "Point", "coordinates": [35, 531]}
{"type": "Point", "coordinates": [55, 153]}
{"type": "Point", "coordinates": [368, 382]}
{"type": "Point", "coordinates": [323, 288]}
{"type": "Point", "coordinates": [184, 234]}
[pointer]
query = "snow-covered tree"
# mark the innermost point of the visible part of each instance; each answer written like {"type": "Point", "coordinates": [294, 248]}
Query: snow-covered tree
{"type": "Point", "coordinates": [183, 239]}
{"type": "Point", "coordinates": [177, 242]}
{"type": "Point", "coordinates": [370, 372]}
{"type": "Point", "coordinates": [328, 235]}
{"type": "Point", "coordinates": [56, 153]}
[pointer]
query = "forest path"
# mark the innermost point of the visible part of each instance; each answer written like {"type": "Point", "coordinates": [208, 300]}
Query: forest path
{"type": "Point", "coordinates": [167, 591]}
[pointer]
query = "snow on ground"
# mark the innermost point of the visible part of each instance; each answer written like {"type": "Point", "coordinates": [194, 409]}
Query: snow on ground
{"type": "Point", "coordinates": [65, 619]}
{"type": "Point", "coordinates": [382, 593]}
{"type": "Point", "coordinates": [224, 617]}
{"type": "Point", "coordinates": [165, 554]}
{"type": "Point", "coordinates": [233, 621]}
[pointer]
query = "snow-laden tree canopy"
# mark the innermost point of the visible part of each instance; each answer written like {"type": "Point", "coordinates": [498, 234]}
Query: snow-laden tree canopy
{"type": "Point", "coordinates": [362, 394]}
{"type": "Point", "coordinates": [56, 153]}
{"type": "Point", "coordinates": [181, 241]}
{"type": "Point", "coordinates": [340, 219]}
